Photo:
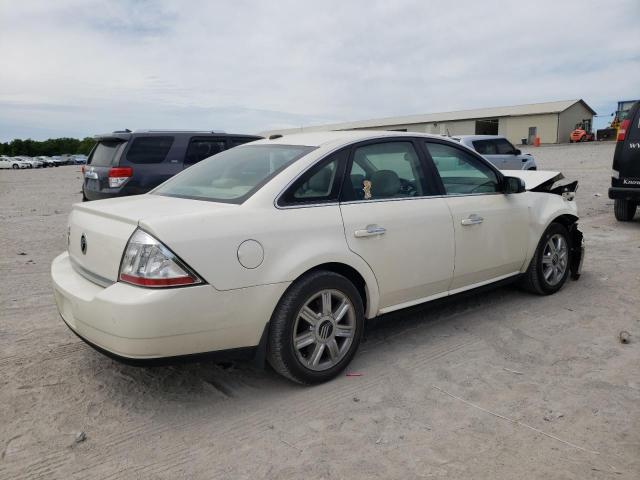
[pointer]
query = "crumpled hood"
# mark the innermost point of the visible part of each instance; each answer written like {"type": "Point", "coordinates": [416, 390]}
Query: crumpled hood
{"type": "Point", "coordinates": [534, 178]}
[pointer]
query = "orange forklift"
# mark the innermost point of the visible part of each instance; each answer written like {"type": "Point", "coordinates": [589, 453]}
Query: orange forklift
{"type": "Point", "coordinates": [582, 132]}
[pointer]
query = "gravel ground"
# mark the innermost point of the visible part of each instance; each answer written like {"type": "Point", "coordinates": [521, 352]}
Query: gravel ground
{"type": "Point", "coordinates": [499, 385]}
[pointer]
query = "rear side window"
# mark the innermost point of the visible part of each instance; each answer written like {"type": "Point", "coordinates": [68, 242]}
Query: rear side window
{"type": "Point", "coordinates": [384, 170]}
{"type": "Point", "coordinates": [319, 184]}
{"type": "Point", "coordinates": [201, 148]}
{"type": "Point", "coordinates": [234, 142]}
{"type": "Point", "coordinates": [485, 147]}
{"type": "Point", "coordinates": [103, 155]}
{"type": "Point", "coordinates": [149, 149]}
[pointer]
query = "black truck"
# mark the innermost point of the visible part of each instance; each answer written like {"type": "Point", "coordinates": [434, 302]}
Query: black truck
{"type": "Point", "coordinates": [625, 178]}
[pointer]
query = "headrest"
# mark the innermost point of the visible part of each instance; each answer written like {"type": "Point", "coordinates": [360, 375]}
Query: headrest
{"type": "Point", "coordinates": [384, 183]}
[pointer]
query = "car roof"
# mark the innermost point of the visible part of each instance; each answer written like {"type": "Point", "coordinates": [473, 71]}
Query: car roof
{"type": "Point", "coordinates": [337, 138]}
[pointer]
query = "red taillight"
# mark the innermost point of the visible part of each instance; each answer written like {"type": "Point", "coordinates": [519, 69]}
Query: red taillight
{"type": "Point", "coordinates": [157, 282]}
{"type": "Point", "coordinates": [119, 175]}
{"type": "Point", "coordinates": [148, 263]}
{"type": "Point", "coordinates": [622, 131]}
{"type": "Point", "coordinates": [118, 172]}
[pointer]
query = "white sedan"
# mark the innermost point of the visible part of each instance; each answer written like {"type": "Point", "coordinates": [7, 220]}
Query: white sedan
{"type": "Point", "coordinates": [283, 248]}
{"type": "Point", "coordinates": [13, 163]}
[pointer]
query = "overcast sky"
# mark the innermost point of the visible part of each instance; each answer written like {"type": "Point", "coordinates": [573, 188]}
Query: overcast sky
{"type": "Point", "coordinates": [76, 68]}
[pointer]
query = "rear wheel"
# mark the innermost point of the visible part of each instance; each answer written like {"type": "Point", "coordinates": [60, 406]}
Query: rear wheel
{"type": "Point", "coordinates": [624, 210]}
{"type": "Point", "coordinates": [15, 166]}
{"type": "Point", "coordinates": [549, 267]}
{"type": "Point", "coordinates": [316, 328]}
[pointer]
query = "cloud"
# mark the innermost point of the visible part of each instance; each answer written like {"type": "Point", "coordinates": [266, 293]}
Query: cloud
{"type": "Point", "coordinates": [76, 68]}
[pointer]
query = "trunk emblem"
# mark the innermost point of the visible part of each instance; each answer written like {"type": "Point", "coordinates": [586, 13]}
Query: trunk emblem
{"type": "Point", "coordinates": [83, 244]}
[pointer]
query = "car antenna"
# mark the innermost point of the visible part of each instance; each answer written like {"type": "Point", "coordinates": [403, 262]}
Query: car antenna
{"type": "Point", "coordinates": [273, 137]}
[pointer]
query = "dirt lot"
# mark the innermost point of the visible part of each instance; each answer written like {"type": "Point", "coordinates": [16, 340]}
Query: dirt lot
{"type": "Point", "coordinates": [500, 385]}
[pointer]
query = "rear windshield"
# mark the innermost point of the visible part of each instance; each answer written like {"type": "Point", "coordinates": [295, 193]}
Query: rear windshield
{"type": "Point", "coordinates": [149, 149]}
{"type": "Point", "coordinates": [104, 153]}
{"type": "Point", "coordinates": [233, 175]}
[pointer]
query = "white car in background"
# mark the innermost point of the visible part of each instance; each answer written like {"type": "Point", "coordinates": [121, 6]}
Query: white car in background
{"type": "Point", "coordinates": [499, 151]}
{"type": "Point", "coordinates": [31, 162]}
{"type": "Point", "coordinates": [14, 163]}
{"type": "Point", "coordinates": [282, 248]}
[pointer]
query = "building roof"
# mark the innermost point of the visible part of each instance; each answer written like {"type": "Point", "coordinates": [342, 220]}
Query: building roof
{"type": "Point", "coordinates": [492, 112]}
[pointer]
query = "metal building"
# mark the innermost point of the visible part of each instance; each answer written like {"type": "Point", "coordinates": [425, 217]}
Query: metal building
{"type": "Point", "coordinates": [551, 121]}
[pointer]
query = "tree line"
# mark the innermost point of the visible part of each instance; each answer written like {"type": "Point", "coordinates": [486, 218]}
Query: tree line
{"type": "Point", "coordinates": [52, 146]}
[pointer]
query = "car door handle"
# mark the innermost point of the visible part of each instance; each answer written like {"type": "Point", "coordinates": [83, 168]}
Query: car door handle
{"type": "Point", "coordinates": [473, 219]}
{"type": "Point", "coordinates": [370, 231]}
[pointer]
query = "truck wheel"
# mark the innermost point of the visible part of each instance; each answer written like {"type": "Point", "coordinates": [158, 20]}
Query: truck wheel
{"type": "Point", "coordinates": [624, 210]}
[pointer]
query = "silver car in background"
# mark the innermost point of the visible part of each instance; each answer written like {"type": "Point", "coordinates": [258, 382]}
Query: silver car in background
{"type": "Point", "coordinates": [499, 151]}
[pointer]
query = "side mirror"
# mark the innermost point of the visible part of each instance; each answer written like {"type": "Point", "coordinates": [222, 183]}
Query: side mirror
{"type": "Point", "coordinates": [512, 185]}
{"type": "Point", "coordinates": [517, 152]}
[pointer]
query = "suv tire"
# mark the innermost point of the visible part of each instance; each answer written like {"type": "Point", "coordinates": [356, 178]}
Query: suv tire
{"type": "Point", "coordinates": [549, 261]}
{"type": "Point", "coordinates": [323, 311]}
{"type": "Point", "coordinates": [624, 210]}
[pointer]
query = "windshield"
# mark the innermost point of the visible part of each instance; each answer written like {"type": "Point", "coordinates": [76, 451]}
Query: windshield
{"type": "Point", "coordinates": [233, 175]}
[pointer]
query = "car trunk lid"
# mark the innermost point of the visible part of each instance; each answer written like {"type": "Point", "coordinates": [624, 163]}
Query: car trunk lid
{"type": "Point", "coordinates": [99, 231]}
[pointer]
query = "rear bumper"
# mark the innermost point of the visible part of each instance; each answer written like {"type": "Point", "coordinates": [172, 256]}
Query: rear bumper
{"type": "Point", "coordinates": [623, 193]}
{"type": "Point", "coordinates": [135, 324]}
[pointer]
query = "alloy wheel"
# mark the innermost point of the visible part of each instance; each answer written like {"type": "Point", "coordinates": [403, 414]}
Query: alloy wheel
{"type": "Point", "coordinates": [324, 329]}
{"type": "Point", "coordinates": [555, 259]}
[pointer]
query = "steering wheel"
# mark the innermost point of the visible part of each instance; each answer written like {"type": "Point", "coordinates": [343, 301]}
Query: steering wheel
{"type": "Point", "coordinates": [407, 187]}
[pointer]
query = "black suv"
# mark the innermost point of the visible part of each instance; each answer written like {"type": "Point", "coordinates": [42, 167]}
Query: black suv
{"type": "Point", "coordinates": [130, 163]}
{"type": "Point", "coordinates": [625, 181]}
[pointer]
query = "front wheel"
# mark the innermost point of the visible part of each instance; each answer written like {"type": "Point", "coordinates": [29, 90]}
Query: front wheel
{"type": "Point", "coordinates": [316, 328]}
{"type": "Point", "coordinates": [549, 267]}
{"type": "Point", "coordinates": [624, 210]}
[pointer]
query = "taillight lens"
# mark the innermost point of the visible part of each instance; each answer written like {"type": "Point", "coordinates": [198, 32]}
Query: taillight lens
{"type": "Point", "coordinates": [148, 263]}
{"type": "Point", "coordinates": [622, 131]}
{"type": "Point", "coordinates": [119, 175]}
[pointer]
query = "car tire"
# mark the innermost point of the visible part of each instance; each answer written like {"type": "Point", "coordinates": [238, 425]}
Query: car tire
{"type": "Point", "coordinates": [549, 267]}
{"type": "Point", "coordinates": [324, 312]}
{"type": "Point", "coordinates": [624, 210]}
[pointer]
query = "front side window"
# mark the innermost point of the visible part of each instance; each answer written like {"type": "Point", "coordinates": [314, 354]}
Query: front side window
{"type": "Point", "coordinates": [384, 171]}
{"type": "Point", "coordinates": [201, 148]}
{"type": "Point", "coordinates": [485, 147]}
{"type": "Point", "coordinates": [461, 172]}
{"type": "Point", "coordinates": [233, 175]}
{"type": "Point", "coordinates": [504, 147]}
{"type": "Point", "coordinates": [147, 150]}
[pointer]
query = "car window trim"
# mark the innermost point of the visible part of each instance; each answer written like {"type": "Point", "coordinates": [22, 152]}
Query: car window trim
{"type": "Point", "coordinates": [480, 158]}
